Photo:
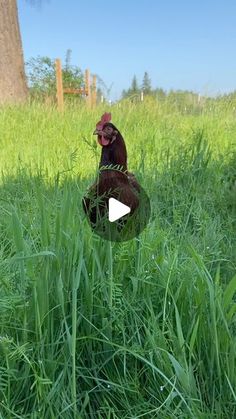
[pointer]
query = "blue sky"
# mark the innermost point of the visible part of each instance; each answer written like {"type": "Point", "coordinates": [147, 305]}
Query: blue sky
{"type": "Point", "coordinates": [181, 44]}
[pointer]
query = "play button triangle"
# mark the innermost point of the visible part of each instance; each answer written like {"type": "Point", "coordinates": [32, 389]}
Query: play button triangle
{"type": "Point", "coordinates": [116, 209]}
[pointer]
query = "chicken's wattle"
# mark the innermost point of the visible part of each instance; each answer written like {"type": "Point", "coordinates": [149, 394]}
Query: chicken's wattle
{"type": "Point", "coordinates": [102, 140]}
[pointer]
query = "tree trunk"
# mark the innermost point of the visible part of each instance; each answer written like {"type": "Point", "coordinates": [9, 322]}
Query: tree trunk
{"type": "Point", "coordinates": [13, 86]}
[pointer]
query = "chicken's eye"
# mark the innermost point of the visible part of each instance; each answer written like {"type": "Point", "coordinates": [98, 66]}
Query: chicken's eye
{"type": "Point", "coordinates": [108, 130]}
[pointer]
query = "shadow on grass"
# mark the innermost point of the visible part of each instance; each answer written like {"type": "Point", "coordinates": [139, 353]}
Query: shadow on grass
{"type": "Point", "coordinates": [93, 328]}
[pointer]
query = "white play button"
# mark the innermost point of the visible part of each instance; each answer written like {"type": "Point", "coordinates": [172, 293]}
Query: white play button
{"type": "Point", "coordinates": [116, 209]}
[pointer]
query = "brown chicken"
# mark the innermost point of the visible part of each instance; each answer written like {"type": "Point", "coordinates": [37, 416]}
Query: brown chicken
{"type": "Point", "coordinates": [113, 179]}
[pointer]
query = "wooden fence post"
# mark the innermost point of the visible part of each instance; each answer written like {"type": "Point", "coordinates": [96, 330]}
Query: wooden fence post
{"type": "Point", "coordinates": [89, 91]}
{"type": "Point", "coordinates": [60, 99]}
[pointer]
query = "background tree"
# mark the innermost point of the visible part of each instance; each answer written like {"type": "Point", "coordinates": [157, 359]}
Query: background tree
{"type": "Point", "coordinates": [42, 78]}
{"type": "Point", "coordinates": [68, 59]}
{"type": "Point", "coordinates": [146, 85]}
{"type": "Point", "coordinates": [159, 93]}
{"type": "Point", "coordinates": [134, 86]}
{"type": "Point", "coordinates": [41, 75]}
{"type": "Point", "coordinates": [13, 87]}
{"type": "Point", "coordinates": [133, 90]}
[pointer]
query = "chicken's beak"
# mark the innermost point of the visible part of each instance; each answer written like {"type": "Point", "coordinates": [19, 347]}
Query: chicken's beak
{"type": "Point", "coordinates": [96, 132]}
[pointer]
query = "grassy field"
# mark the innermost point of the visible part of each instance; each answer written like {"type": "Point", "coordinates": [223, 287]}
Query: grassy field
{"type": "Point", "coordinates": [141, 329]}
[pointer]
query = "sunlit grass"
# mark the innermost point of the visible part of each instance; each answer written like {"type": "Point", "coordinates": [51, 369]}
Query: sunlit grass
{"type": "Point", "coordinates": [40, 137]}
{"type": "Point", "coordinates": [142, 329]}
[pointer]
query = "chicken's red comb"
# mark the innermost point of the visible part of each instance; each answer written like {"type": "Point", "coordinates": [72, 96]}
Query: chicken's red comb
{"type": "Point", "coordinates": [106, 117]}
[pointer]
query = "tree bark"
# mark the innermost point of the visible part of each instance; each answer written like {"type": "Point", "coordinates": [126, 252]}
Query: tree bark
{"type": "Point", "coordinates": [13, 87]}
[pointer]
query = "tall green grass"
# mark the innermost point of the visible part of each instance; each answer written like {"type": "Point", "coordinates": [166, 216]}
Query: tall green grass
{"type": "Point", "coordinates": [141, 329]}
